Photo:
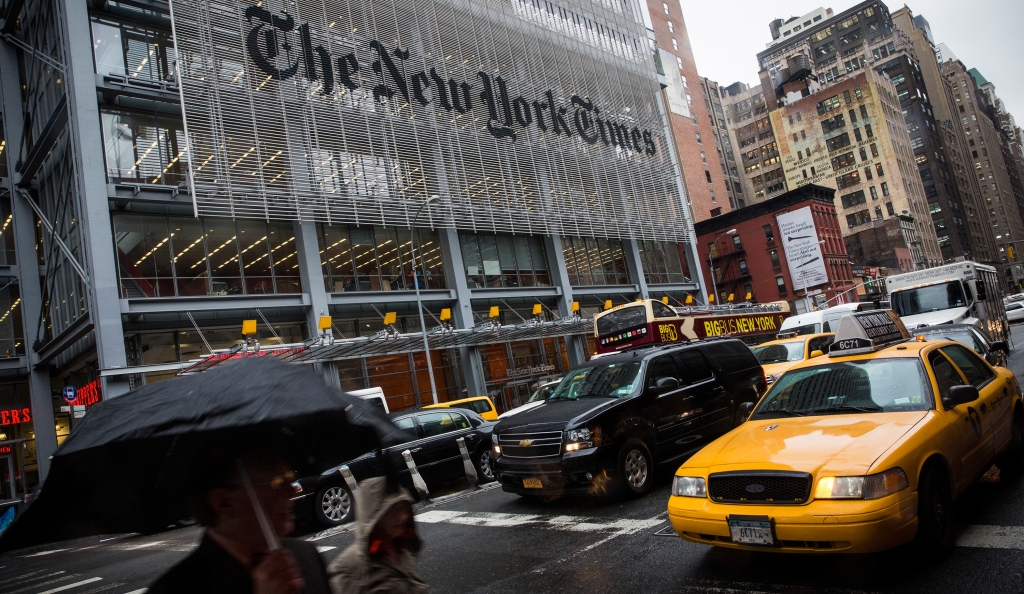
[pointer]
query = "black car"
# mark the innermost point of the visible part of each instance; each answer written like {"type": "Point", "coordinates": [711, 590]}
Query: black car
{"type": "Point", "coordinates": [432, 434]}
{"type": "Point", "coordinates": [612, 420]}
{"type": "Point", "coordinates": [969, 335]}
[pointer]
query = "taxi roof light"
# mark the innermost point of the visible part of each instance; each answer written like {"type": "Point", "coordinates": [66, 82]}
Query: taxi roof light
{"type": "Point", "coordinates": [867, 332]}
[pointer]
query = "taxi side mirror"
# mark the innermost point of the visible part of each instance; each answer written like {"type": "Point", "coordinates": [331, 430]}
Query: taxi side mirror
{"type": "Point", "coordinates": [743, 411]}
{"type": "Point", "coordinates": [999, 345]}
{"type": "Point", "coordinates": [816, 353]}
{"type": "Point", "coordinates": [960, 395]}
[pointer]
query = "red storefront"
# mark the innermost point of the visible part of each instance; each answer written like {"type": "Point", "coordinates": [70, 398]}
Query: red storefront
{"type": "Point", "coordinates": [745, 251]}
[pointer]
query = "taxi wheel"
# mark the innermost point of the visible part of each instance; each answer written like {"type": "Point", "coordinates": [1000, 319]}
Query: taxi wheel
{"type": "Point", "coordinates": [934, 512]}
{"type": "Point", "coordinates": [636, 469]}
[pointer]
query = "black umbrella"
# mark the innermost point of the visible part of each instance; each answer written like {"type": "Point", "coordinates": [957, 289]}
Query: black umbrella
{"type": "Point", "coordinates": [125, 466]}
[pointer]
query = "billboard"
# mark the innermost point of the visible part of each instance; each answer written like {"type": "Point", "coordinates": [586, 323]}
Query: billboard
{"type": "Point", "coordinates": [803, 253]}
{"type": "Point", "coordinates": [521, 119]}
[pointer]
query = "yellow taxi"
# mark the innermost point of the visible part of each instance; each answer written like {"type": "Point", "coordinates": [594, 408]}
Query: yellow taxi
{"type": "Point", "coordinates": [482, 405]}
{"type": "Point", "coordinates": [858, 451]}
{"type": "Point", "coordinates": [777, 356]}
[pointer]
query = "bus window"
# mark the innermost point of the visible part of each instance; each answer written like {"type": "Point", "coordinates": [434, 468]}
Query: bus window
{"type": "Point", "coordinates": [662, 311]}
{"type": "Point", "coordinates": [625, 318]}
{"type": "Point", "coordinates": [979, 289]}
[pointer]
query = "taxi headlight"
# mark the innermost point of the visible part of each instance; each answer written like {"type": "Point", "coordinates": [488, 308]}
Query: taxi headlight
{"type": "Point", "coordinates": [689, 486]}
{"type": "Point", "coordinates": [874, 486]}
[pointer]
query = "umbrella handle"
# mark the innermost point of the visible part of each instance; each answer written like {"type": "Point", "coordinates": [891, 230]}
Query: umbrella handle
{"type": "Point", "coordinates": [268, 533]}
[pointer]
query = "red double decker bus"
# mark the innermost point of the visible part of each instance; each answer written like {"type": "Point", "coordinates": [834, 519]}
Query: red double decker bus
{"type": "Point", "coordinates": [648, 321]}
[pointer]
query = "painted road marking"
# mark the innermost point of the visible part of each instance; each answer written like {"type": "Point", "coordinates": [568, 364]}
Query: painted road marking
{"type": "Point", "coordinates": [40, 554]}
{"type": "Point", "coordinates": [28, 576]}
{"type": "Point", "coordinates": [69, 586]}
{"type": "Point", "coordinates": [991, 537]}
{"type": "Point", "coordinates": [569, 523]}
{"type": "Point", "coordinates": [324, 549]}
{"type": "Point", "coordinates": [723, 587]}
{"type": "Point", "coordinates": [143, 545]}
{"type": "Point", "coordinates": [142, 591]}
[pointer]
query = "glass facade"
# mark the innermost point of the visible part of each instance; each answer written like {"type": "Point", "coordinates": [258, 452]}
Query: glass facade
{"type": "Point", "coordinates": [594, 261]}
{"type": "Point", "coordinates": [144, 147]}
{"type": "Point", "coordinates": [131, 50]}
{"type": "Point", "coordinates": [663, 262]}
{"type": "Point", "coordinates": [378, 258]}
{"type": "Point", "coordinates": [502, 260]}
{"type": "Point", "coordinates": [168, 256]}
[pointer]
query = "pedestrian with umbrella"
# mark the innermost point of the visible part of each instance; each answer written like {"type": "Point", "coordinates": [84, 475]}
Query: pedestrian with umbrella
{"type": "Point", "coordinates": [225, 439]}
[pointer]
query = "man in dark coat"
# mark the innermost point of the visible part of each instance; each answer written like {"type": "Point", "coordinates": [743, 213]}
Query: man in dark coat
{"type": "Point", "coordinates": [233, 556]}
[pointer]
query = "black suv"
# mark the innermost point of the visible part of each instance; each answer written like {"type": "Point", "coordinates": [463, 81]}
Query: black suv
{"type": "Point", "coordinates": [611, 420]}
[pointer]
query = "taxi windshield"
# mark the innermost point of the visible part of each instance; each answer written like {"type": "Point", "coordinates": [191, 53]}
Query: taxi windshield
{"type": "Point", "coordinates": [780, 353]}
{"type": "Point", "coordinates": [849, 387]}
{"type": "Point", "coordinates": [612, 380]}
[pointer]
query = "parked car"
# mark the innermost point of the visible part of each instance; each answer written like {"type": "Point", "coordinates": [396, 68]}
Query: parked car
{"type": "Point", "coordinates": [481, 405]}
{"type": "Point", "coordinates": [539, 396]}
{"type": "Point", "coordinates": [432, 433]}
{"type": "Point", "coordinates": [611, 420]}
{"type": "Point", "coordinates": [1015, 311]}
{"type": "Point", "coordinates": [969, 335]}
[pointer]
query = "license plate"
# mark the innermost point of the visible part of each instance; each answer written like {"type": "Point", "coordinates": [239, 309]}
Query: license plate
{"type": "Point", "coordinates": [755, 531]}
{"type": "Point", "coordinates": [532, 483]}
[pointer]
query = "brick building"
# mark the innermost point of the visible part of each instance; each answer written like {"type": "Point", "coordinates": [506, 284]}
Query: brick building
{"type": "Point", "coordinates": [753, 260]}
{"type": "Point", "coordinates": [691, 123]}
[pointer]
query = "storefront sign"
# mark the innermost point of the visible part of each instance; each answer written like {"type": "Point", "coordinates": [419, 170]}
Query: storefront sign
{"type": "Point", "coordinates": [803, 253]}
{"type": "Point", "coordinates": [5, 449]}
{"type": "Point", "coordinates": [526, 371]}
{"type": "Point", "coordinates": [15, 416]}
{"type": "Point", "coordinates": [70, 393]}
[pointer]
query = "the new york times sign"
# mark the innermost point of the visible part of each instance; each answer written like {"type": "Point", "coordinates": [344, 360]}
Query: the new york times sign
{"type": "Point", "coordinates": [283, 48]}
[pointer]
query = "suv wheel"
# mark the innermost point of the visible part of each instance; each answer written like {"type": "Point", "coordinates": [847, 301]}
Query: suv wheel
{"type": "Point", "coordinates": [333, 505]}
{"type": "Point", "coordinates": [636, 468]}
{"type": "Point", "coordinates": [485, 466]}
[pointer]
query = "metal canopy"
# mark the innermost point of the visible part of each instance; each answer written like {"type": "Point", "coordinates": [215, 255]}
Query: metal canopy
{"type": "Point", "coordinates": [391, 342]}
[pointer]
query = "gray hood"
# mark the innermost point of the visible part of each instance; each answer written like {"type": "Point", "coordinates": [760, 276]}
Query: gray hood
{"type": "Point", "coordinates": [372, 500]}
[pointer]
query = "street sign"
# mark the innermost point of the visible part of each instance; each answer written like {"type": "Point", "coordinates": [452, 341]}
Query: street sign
{"type": "Point", "coordinates": [70, 393]}
{"type": "Point", "coordinates": [79, 414]}
{"type": "Point", "coordinates": [814, 292]}
{"type": "Point", "coordinates": [71, 408]}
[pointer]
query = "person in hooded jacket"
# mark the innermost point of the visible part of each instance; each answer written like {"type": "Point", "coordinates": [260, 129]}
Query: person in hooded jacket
{"type": "Point", "coordinates": [382, 558]}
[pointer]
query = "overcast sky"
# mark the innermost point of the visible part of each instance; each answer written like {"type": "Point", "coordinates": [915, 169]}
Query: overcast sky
{"type": "Point", "coordinates": [983, 34]}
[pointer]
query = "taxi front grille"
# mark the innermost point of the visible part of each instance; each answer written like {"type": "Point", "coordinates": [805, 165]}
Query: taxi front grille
{"type": "Point", "coordinates": [531, 445]}
{"type": "Point", "coordinates": [760, 487]}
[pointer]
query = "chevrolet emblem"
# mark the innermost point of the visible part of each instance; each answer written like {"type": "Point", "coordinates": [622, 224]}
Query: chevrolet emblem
{"type": "Point", "coordinates": [526, 443]}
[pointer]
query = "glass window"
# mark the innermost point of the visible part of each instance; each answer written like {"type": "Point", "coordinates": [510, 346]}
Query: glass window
{"type": "Point", "coordinates": [695, 365]}
{"type": "Point", "coordinates": [780, 353]}
{"type": "Point", "coordinates": [440, 423]}
{"type": "Point", "coordinates": [189, 249]}
{"type": "Point", "coordinates": [255, 256]}
{"type": "Point", "coordinates": [281, 237]}
{"type": "Point", "coordinates": [471, 260]}
{"type": "Point", "coordinates": [222, 249]}
{"type": "Point", "coordinates": [509, 261]}
{"type": "Point", "coordinates": [407, 425]}
{"type": "Point", "coordinates": [143, 256]}
{"type": "Point", "coordinates": [946, 375]}
{"type": "Point", "coordinates": [108, 48]}
{"type": "Point", "coordinates": [974, 369]}
{"type": "Point", "coordinates": [364, 259]}
{"type": "Point", "coordinates": [661, 368]}
{"type": "Point", "coordinates": [140, 147]}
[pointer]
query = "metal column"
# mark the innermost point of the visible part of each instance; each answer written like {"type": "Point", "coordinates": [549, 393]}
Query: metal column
{"type": "Point", "coordinates": [40, 393]}
{"type": "Point", "coordinates": [87, 145]}
{"type": "Point", "coordinates": [575, 346]}
{"type": "Point", "coordinates": [635, 266]}
{"type": "Point", "coordinates": [311, 276]}
{"type": "Point", "coordinates": [462, 313]}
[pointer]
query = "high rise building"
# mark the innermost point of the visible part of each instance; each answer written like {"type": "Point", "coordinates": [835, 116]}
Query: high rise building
{"type": "Point", "coordinates": [690, 113]}
{"type": "Point", "coordinates": [985, 145]}
{"type": "Point", "coordinates": [947, 170]}
{"type": "Point", "coordinates": [758, 166]}
{"type": "Point", "coordinates": [723, 142]}
{"type": "Point", "coordinates": [346, 167]}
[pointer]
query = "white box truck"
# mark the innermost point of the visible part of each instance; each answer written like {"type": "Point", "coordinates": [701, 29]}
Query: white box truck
{"type": "Point", "coordinates": [959, 293]}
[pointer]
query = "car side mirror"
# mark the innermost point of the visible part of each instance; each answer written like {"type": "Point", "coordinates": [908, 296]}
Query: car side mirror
{"type": "Point", "coordinates": [816, 353]}
{"type": "Point", "coordinates": [960, 395]}
{"type": "Point", "coordinates": [665, 384]}
{"type": "Point", "coordinates": [744, 410]}
{"type": "Point", "coordinates": [999, 345]}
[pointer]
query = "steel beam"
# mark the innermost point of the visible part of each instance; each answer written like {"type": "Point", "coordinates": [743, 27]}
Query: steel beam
{"type": "Point", "coordinates": [40, 393]}
{"type": "Point", "coordinates": [55, 125]}
{"type": "Point", "coordinates": [462, 313]}
{"type": "Point", "coordinates": [604, 289]}
{"type": "Point", "coordinates": [94, 215]}
{"type": "Point", "coordinates": [144, 305]}
{"type": "Point", "coordinates": [635, 266]}
{"type": "Point", "coordinates": [575, 347]}
{"type": "Point", "coordinates": [364, 297]}
{"type": "Point", "coordinates": [516, 292]}
{"type": "Point", "coordinates": [58, 344]}
{"type": "Point", "coordinates": [311, 276]}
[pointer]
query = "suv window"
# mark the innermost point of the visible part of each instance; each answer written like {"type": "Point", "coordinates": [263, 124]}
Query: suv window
{"type": "Point", "coordinates": [732, 355]}
{"type": "Point", "coordinates": [407, 425]}
{"type": "Point", "coordinates": [664, 366]}
{"type": "Point", "coordinates": [439, 423]}
{"type": "Point", "coordinates": [946, 375]}
{"type": "Point", "coordinates": [976, 372]}
{"type": "Point", "coordinates": [695, 365]}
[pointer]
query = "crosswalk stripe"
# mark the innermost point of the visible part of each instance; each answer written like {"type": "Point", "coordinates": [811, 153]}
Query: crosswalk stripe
{"type": "Point", "coordinates": [144, 545]}
{"type": "Point", "coordinates": [28, 576]}
{"type": "Point", "coordinates": [69, 586]}
{"type": "Point", "coordinates": [991, 537]}
{"type": "Point", "coordinates": [139, 591]}
{"type": "Point", "coordinates": [569, 523]}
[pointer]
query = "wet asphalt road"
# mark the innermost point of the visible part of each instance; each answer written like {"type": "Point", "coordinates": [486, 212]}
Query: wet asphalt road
{"type": "Point", "coordinates": [490, 541]}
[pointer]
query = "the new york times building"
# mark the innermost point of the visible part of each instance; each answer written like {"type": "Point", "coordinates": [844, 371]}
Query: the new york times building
{"type": "Point", "coordinates": [179, 168]}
